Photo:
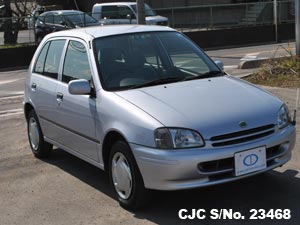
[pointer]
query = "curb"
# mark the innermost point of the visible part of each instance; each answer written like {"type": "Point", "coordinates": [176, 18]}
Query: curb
{"type": "Point", "coordinates": [251, 64]}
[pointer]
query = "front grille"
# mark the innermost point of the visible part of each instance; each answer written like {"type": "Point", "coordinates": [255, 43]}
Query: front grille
{"type": "Point", "coordinates": [217, 165]}
{"type": "Point", "coordinates": [224, 168]}
{"type": "Point", "coordinates": [242, 136]}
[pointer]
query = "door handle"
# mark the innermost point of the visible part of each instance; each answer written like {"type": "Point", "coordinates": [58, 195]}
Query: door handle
{"type": "Point", "coordinates": [59, 97]}
{"type": "Point", "coordinates": [33, 86]}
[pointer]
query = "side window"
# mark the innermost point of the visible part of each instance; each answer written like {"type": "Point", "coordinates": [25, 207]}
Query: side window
{"type": "Point", "coordinates": [59, 20]}
{"type": "Point", "coordinates": [53, 58]}
{"type": "Point", "coordinates": [40, 62]}
{"type": "Point", "coordinates": [49, 19]}
{"type": "Point", "coordinates": [109, 12]}
{"type": "Point", "coordinates": [124, 11]}
{"type": "Point", "coordinates": [76, 65]}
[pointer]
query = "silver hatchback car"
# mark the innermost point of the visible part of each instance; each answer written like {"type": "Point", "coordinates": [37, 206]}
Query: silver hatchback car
{"type": "Point", "coordinates": [147, 105]}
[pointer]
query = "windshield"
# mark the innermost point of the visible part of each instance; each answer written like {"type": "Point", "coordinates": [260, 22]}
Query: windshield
{"type": "Point", "coordinates": [148, 59]}
{"type": "Point", "coordinates": [148, 10]}
{"type": "Point", "coordinates": [80, 18]}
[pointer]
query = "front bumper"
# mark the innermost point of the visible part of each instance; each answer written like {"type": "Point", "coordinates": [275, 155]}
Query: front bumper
{"type": "Point", "coordinates": [191, 168]}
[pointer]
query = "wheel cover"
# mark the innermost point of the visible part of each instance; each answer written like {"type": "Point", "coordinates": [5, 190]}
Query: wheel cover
{"type": "Point", "coordinates": [34, 135]}
{"type": "Point", "coordinates": [121, 175]}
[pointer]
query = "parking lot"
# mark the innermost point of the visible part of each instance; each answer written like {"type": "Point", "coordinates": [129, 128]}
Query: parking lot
{"type": "Point", "coordinates": [67, 190]}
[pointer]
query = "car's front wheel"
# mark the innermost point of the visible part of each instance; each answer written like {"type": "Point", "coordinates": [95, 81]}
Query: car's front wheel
{"type": "Point", "coordinates": [39, 146]}
{"type": "Point", "coordinates": [126, 178]}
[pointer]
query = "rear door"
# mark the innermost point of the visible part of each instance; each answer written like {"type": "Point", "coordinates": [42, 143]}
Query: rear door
{"type": "Point", "coordinates": [43, 82]}
{"type": "Point", "coordinates": [76, 114]}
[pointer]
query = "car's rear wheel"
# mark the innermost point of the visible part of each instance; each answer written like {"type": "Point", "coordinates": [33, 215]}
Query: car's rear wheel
{"type": "Point", "coordinates": [39, 146]}
{"type": "Point", "coordinates": [125, 177]}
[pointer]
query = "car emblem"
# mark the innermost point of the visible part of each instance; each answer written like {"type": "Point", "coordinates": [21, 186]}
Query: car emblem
{"type": "Point", "coordinates": [250, 160]}
{"type": "Point", "coordinates": [243, 124]}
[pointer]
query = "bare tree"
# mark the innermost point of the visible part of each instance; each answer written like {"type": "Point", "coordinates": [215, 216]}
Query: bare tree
{"type": "Point", "coordinates": [15, 14]}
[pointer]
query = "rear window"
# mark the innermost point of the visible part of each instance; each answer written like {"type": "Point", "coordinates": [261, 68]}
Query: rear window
{"type": "Point", "coordinates": [116, 12]}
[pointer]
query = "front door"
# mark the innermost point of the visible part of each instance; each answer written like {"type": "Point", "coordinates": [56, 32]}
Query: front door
{"type": "Point", "coordinates": [76, 114]}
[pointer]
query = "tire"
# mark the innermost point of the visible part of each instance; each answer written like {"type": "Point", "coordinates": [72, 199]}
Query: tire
{"type": "Point", "coordinates": [138, 196]}
{"type": "Point", "coordinates": [39, 147]}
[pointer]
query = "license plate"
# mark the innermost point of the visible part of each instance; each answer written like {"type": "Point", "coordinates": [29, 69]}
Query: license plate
{"type": "Point", "coordinates": [250, 161]}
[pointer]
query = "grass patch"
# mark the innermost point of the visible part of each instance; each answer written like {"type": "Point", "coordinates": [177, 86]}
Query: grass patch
{"type": "Point", "coordinates": [278, 73]}
{"type": "Point", "coordinates": [16, 46]}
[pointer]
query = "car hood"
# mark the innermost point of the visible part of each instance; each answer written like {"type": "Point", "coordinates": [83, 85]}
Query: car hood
{"type": "Point", "coordinates": [88, 24]}
{"type": "Point", "coordinates": [156, 19]}
{"type": "Point", "coordinates": [211, 106]}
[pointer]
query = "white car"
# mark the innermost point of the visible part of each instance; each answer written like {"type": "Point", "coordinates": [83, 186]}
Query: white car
{"type": "Point", "coordinates": [147, 105]}
{"type": "Point", "coordinates": [125, 13]}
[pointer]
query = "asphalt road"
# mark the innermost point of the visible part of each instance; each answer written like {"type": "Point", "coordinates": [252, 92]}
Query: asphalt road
{"type": "Point", "coordinates": [66, 190]}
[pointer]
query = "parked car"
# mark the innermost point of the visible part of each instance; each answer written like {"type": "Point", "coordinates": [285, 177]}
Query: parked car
{"type": "Point", "coordinates": [125, 13]}
{"type": "Point", "coordinates": [58, 20]}
{"type": "Point", "coordinates": [145, 104]}
{"type": "Point", "coordinates": [32, 17]}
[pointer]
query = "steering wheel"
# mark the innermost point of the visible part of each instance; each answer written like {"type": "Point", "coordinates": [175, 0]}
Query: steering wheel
{"type": "Point", "coordinates": [114, 79]}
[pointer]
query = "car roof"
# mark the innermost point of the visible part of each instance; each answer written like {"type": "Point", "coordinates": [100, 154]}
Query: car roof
{"type": "Point", "coordinates": [61, 12]}
{"type": "Point", "coordinates": [116, 3]}
{"type": "Point", "coordinates": [107, 30]}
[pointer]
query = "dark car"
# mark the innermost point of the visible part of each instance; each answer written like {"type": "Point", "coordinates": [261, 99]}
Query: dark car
{"type": "Point", "coordinates": [58, 20]}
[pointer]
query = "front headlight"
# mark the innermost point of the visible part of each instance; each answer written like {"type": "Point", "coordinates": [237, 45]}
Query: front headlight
{"type": "Point", "coordinates": [283, 117]}
{"type": "Point", "coordinates": [172, 138]}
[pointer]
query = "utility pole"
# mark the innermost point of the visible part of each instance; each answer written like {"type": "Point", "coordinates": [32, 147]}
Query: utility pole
{"type": "Point", "coordinates": [140, 11]}
{"type": "Point", "coordinates": [275, 20]}
{"type": "Point", "coordinates": [297, 18]}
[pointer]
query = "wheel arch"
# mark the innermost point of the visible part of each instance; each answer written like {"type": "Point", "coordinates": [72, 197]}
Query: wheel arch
{"type": "Point", "coordinates": [27, 109]}
{"type": "Point", "coordinates": [110, 138]}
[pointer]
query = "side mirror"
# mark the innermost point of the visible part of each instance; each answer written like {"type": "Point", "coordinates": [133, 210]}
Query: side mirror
{"type": "Point", "coordinates": [79, 87]}
{"type": "Point", "coordinates": [128, 16]}
{"type": "Point", "coordinates": [220, 65]}
{"type": "Point", "coordinates": [63, 23]}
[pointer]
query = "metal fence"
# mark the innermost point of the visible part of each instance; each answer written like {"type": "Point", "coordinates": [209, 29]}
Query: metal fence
{"type": "Point", "coordinates": [228, 15]}
{"type": "Point", "coordinates": [206, 17]}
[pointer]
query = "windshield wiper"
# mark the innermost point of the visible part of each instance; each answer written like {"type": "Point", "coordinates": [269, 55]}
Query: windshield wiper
{"type": "Point", "coordinates": [164, 80]}
{"type": "Point", "coordinates": [214, 73]}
